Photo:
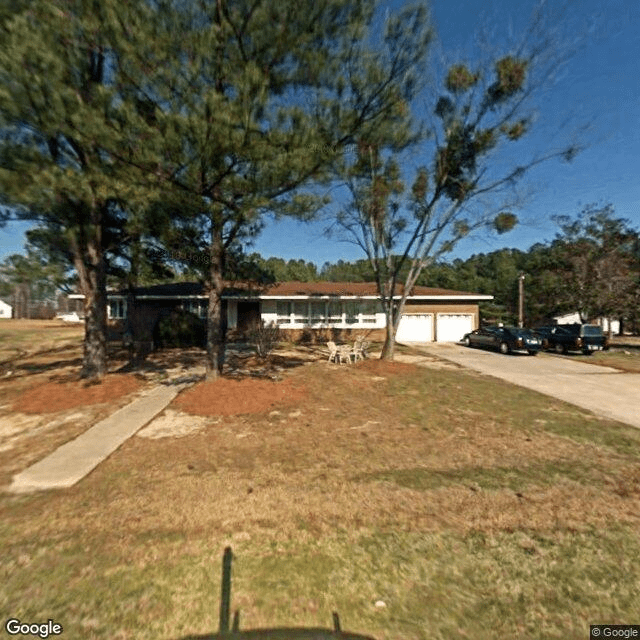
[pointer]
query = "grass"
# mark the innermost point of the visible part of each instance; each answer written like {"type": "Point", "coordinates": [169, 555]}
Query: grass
{"type": "Point", "coordinates": [469, 507]}
{"type": "Point", "coordinates": [19, 338]}
{"type": "Point", "coordinates": [624, 360]}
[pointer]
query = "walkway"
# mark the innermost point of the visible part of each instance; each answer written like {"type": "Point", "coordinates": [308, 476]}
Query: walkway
{"type": "Point", "coordinates": [74, 460]}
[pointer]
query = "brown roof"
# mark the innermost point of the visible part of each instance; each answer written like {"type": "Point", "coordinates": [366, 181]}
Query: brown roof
{"type": "Point", "coordinates": [348, 289]}
{"type": "Point", "coordinates": [286, 289]}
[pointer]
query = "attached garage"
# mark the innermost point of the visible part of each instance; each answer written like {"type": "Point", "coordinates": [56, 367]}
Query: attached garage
{"type": "Point", "coordinates": [415, 327]}
{"type": "Point", "coordinates": [451, 327]}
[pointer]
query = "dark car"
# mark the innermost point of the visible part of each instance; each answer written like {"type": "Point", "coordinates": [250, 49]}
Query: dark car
{"type": "Point", "coordinates": [504, 339]}
{"type": "Point", "coordinates": [573, 337]}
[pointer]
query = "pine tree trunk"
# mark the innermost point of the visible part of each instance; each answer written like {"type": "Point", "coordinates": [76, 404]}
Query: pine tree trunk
{"type": "Point", "coordinates": [94, 361]}
{"type": "Point", "coordinates": [216, 322]}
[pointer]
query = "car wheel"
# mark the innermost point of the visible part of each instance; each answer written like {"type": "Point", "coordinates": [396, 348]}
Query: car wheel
{"type": "Point", "coordinates": [466, 341]}
{"type": "Point", "coordinates": [559, 348]}
{"type": "Point", "coordinates": [533, 352]}
{"type": "Point", "coordinates": [587, 352]}
{"type": "Point", "coordinates": [504, 348]}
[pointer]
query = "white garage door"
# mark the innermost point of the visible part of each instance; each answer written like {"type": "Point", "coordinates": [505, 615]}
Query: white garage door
{"type": "Point", "coordinates": [450, 327]}
{"type": "Point", "coordinates": [415, 328]}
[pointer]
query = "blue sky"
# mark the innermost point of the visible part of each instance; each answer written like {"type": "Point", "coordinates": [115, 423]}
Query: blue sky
{"type": "Point", "coordinates": [600, 86]}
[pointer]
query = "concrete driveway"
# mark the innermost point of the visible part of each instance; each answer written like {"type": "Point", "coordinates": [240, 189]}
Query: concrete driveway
{"type": "Point", "coordinates": [605, 391]}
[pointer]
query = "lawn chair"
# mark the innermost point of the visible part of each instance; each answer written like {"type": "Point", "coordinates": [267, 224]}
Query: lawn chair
{"type": "Point", "coordinates": [360, 347]}
{"type": "Point", "coordinates": [344, 353]}
{"type": "Point", "coordinates": [357, 352]}
{"type": "Point", "coordinates": [333, 352]}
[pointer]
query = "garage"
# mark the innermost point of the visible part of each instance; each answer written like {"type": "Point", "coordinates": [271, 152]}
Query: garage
{"type": "Point", "coordinates": [450, 327]}
{"type": "Point", "coordinates": [415, 327]}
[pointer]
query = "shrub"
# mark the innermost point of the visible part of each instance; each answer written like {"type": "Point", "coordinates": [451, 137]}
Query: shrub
{"type": "Point", "coordinates": [264, 338]}
{"type": "Point", "coordinates": [180, 328]}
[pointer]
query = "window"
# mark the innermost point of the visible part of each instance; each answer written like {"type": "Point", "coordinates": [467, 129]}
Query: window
{"type": "Point", "coordinates": [334, 312]}
{"type": "Point", "coordinates": [301, 312]}
{"type": "Point", "coordinates": [283, 312]}
{"type": "Point", "coordinates": [369, 308]}
{"type": "Point", "coordinates": [351, 312]}
{"type": "Point", "coordinates": [318, 312]}
{"type": "Point", "coordinates": [197, 307]}
{"type": "Point", "coordinates": [117, 309]}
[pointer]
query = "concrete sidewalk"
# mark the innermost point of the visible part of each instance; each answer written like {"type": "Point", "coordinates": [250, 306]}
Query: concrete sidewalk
{"type": "Point", "coordinates": [75, 459]}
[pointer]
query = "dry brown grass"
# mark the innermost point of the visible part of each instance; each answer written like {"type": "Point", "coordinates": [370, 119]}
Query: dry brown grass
{"type": "Point", "coordinates": [468, 505]}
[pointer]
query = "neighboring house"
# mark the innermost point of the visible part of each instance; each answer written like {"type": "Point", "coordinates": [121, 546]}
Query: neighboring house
{"type": "Point", "coordinates": [70, 316]}
{"type": "Point", "coordinates": [6, 310]}
{"type": "Point", "coordinates": [573, 318]}
{"type": "Point", "coordinates": [309, 310]}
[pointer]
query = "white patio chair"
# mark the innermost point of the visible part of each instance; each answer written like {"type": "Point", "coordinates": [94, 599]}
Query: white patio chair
{"type": "Point", "coordinates": [333, 352]}
{"type": "Point", "coordinates": [357, 352]}
{"type": "Point", "coordinates": [344, 353]}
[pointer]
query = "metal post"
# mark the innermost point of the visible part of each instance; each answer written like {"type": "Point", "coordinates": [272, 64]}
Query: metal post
{"type": "Point", "coordinates": [521, 300]}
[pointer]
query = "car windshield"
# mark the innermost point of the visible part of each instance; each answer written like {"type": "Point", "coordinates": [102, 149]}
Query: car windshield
{"type": "Point", "coordinates": [591, 330]}
{"type": "Point", "coordinates": [517, 331]}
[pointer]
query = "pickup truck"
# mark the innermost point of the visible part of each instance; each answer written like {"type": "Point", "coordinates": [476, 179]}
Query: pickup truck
{"type": "Point", "coordinates": [573, 337]}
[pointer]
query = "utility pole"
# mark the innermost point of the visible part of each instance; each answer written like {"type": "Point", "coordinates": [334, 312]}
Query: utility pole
{"type": "Point", "coordinates": [521, 300]}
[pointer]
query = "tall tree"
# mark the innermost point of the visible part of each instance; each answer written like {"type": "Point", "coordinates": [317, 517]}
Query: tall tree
{"type": "Point", "coordinates": [61, 124]}
{"type": "Point", "coordinates": [595, 255]}
{"type": "Point", "coordinates": [478, 112]}
{"type": "Point", "coordinates": [245, 104]}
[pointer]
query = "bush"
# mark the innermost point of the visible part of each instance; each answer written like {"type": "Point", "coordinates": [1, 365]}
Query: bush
{"type": "Point", "coordinates": [180, 328]}
{"type": "Point", "coordinates": [264, 338]}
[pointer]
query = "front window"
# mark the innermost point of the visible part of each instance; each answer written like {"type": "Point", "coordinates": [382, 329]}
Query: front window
{"type": "Point", "coordinates": [368, 309]}
{"type": "Point", "coordinates": [351, 312]}
{"type": "Point", "coordinates": [197, 307]}
{"type": "Point", "coordinates": [283, 312]}
{"type": "Point", "coordinates": [334, 312]}
{"type": "Point", "coordinates": [318, 312]}
{"type": "Point", "coordinates": [301, 312]}
{"type": "Point", "coordinates": [117, 309]}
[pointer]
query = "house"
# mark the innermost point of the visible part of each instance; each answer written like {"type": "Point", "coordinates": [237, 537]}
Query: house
{"type": "Point", "coordinates": [6, 310]}
{"type": "Point", "coordinates": [573, 318]}
{"type": "Point", "coordinates": [314, 311]}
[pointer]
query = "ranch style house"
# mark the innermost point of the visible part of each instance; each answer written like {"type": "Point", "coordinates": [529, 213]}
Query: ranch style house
{"type": "Point", "coordinates": [313, 311]}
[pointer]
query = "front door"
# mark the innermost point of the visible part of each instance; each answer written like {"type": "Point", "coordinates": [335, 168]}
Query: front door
{"type": "Point", "coordinates": [248, 315]}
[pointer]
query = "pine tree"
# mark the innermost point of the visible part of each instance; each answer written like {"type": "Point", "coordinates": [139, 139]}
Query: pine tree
{"type": "Point", "coordinates": [243, 106]}
{"type": "Point", "coordinates": [62, 126]}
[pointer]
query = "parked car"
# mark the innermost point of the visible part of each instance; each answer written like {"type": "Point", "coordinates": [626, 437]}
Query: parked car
{"type": "Point", "coordinates": [504, 339]}
{"type": "Point", "coordinates": [573, 337]}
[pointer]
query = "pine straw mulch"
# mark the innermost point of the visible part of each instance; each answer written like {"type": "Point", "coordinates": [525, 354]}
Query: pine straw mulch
{"type": "Point", "coordinates": [55, 396]}
{"type": "Point", "coordinates": [224, 397]}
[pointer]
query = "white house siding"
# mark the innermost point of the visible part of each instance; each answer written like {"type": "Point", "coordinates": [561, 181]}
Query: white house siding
{"type": "Point", "coordinates": [574, 318]}
{"type": "Point", "coordinates": [5, 310]}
